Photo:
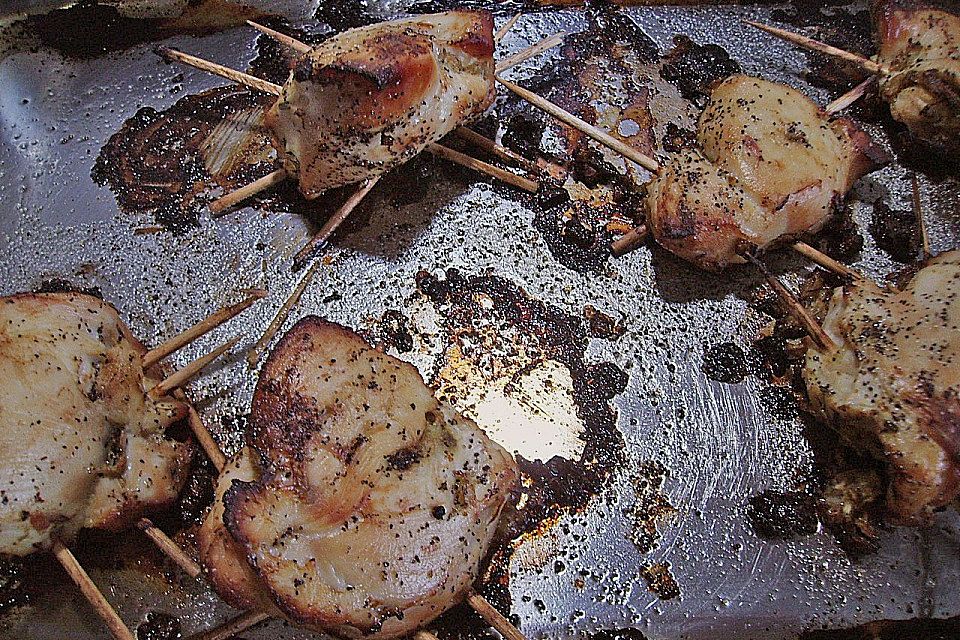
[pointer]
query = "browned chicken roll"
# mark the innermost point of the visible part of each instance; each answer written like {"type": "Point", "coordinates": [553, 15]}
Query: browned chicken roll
{"type": "Point", "coordinates": [773, 166]}
{"type": "Point", "coordinates": [892, 387]}
{"type": "Point", "coordinates": [371, 98]}
{"type": "Point", "coordinates": [920, 45]}
{"type": "Point", "coordinates": [361, 505]}
{"type": "Point", "coordinates": [82, 443]}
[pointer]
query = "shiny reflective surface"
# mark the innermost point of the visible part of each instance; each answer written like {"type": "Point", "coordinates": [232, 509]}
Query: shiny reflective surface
{"type": "Point", "coordinates": [585, 565]}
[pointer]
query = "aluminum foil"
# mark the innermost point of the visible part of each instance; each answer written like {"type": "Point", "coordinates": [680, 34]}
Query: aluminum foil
{"type": "Point", "coordinates": [662, 543]}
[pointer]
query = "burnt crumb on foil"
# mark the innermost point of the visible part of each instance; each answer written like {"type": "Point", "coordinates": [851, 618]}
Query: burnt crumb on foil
{"type": "Point", "coordinates": [695, 68]}
{"type": "Point", "coordinates": [725, 362]}
{"type": "Point", "coordinates": [478, 309]}
{"type": "Point", "coordinates": [895, 231]}
{"type": "Point", "coordinates": [153, 163]}
{"type": "Point", "coordinates": [89, 29]}
{"type": "Point", "coordinates": [780, 515]}
{"type": "Point", "coordinates": [840, 237]}
{"type": "Point", "coordinates": [391, 330]}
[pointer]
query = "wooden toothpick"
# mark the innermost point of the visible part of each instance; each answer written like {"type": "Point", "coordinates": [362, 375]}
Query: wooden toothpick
{"type": "Point", "coordinates": [203, 327]}
{"type": "Point", "coordinates": [822, 47]}
{"type": "Point", "coordinates": [90, 591]}
{"type": "Point", "coordinates": [180, 378]}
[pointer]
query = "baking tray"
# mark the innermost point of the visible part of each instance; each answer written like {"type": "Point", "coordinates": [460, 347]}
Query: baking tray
{"type": "Point", "coordinates": [643, 526]}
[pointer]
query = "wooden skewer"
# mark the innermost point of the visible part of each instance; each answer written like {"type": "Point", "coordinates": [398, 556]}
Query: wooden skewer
{"type": "Point", "coordinates": [233, 626]}
{"type": "Point", "coordinates": [918, 212]}
{"type": "Point", "coordinates": [478, 165]}
{"type": "Point", "coordinates": [219, 206]}
{"type": "Point", "coordinates": [275, 177]}
{"type": "Point", "coordinates": [825, 261]}
{"type": "Point", "coordinates": [491, 147]}
{"type": "Point", "coordinates": [822, 47]}
{"type": "Point", "coordinates": [170, 548]}
{"type": "Point", "coordinates": [203, 327]}
{"type": "Point", "coordinates": [851, 96]}
{"type": "Point", "coordinates": [179, 378]}
{"type": "Point", "coordinates": [202, 434]}
{"type": "Point", "coordinates": [630, 240]}
{"type": "Point", "coordinates": [90, 591]}
{"type": "Point", "coordinates": [502, 31]}
{"type": "Point", "coordinates": [290, 41]}
{"type": "Point", "coordinates": [823, 341]}
{"type": "Point", "coordinates": [582, 125]}
{"type": "Point", "coordinates": [253, 356]}
{"type": "Point", "coordinates": [547, 43]}
{"type": "Point", "coordinates": [341, 214]}
{"type": "Point", "coordinates": [493, 617]}
{"type": "Point", "coordinates": [233, 75]}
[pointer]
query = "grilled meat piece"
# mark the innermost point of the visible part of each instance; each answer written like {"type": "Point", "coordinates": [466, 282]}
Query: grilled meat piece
{"type": "Point", "coordinates": [697, 211]}
{"type": "Point", "coordinates": [892, 387]}
{"type": "Point", "coordinates": [81, 442]}
{"type": "Point", "coordinates": [371, 98]}
{"type": "Point", "coordinates": [921, 46]}
{"type": "Point", "coordinates": [362, 506]}
{"type": "Point", "coordinates": [772, 167]}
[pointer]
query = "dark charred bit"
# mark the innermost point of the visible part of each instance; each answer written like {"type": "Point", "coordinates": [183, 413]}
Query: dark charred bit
{"type": "Point", "coordinates": [392, 330]}
{"type": "Point", "coordinates": [155, 163]}
{"type": "Point", "coordinates": [725, 362]}
{"type": "Point", "coordinates": [344, 15]}
{"type": "Point", "coordinates": [198, 491]}
{"type": "Point", "coordinates": [852, 502]}
{"type": "Point", "coordinates": [602, 325]}
{"type": "Point", "coordinates": [478, 310]}
{"type": "Point", "coordinates": [660, 580]}
{"type": "Point", "coordinates": [926, 628]}
{"type": "Point", "coordinates": [523, 134]}
{"type": "Point", "coordinates": [937, 163]}
{"type": "Point", "coordinates": [895, 232]}
{"type": "Point", "coordinates": [779, 515]}
{"type": "Point", "coordinates": [835, 23]}
{"type": "Point", "coordinates": [771, 357]}
{"type": "Point", "coordinates": [274, 60]}
{"type": "Point", "coordinates": [840, 237]}
{"type": "Point", "coordinates": [695, 68]}
{"type": "Point", "coordinates": [676, 139]}
{"type": "Point", "coordinates": [61, 285]}
{"type": "Point", "coordinates": [403, 460]}
{"type": "Point", "coordinates": [159, 626]}
{"type": "Point", "coordinates": [89, 29]}
{"type": "Point", "coordinates": [572, 239]}
{"type": "Point", "coordinates": [651, 508]}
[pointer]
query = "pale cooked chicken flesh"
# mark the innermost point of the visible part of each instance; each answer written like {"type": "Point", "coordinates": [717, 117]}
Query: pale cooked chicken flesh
{"type": "Point", "coordinates": [361, 505]}
{"type": "Point", "coordinates": [921, 46]}
{"type": "Point", "coordinates": [371, 98]}
{"type": "Point", "coordinates": [892, 387]}
{"type": "Point", "coordinates": [82, 444]}
{"type": "Point", "coordinates": [772, 167]}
